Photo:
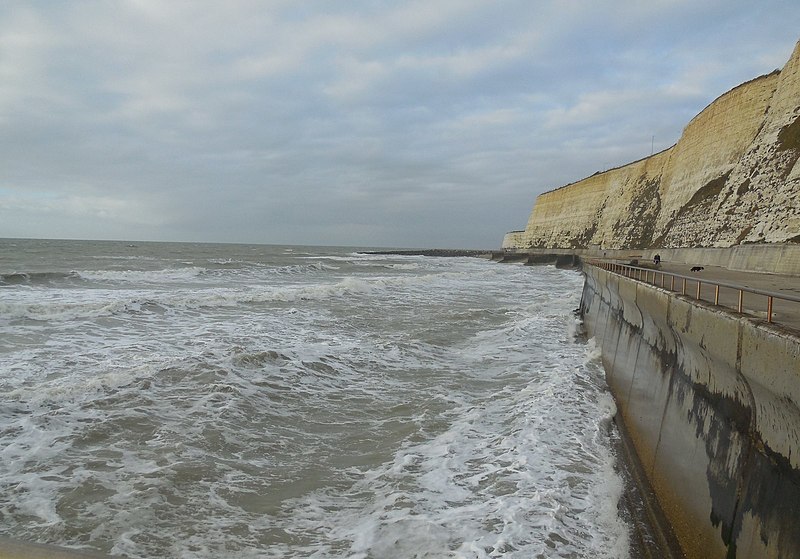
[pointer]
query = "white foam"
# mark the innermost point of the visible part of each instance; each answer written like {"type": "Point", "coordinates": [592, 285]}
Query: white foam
{"type": "Point", "coordinates": [593, 351]}
{"type": "Point", "coordinates": [516, 474]}
{"type": "Point", "coordinates": [411, 407]}
{"type": "Point", "coordinates": [142, 276]}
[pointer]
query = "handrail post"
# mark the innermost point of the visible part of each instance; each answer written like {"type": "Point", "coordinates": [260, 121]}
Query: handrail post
{"type": "Point", "coordinates": [769, 308]}
{"type": "Point", "coordinates": [672, 283]}
{"type": "Point", "coordinates": [741, 300]}
{"type": "Point", "coordinates": [698, 290]}
{"type": "Point", "coordinates": [683, 289]}
{"type": "Point", "coordinates": [716, 294]}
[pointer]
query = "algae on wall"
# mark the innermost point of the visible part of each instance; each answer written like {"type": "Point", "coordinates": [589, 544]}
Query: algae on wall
{"type": "Point", "coordinates": [732, 178]}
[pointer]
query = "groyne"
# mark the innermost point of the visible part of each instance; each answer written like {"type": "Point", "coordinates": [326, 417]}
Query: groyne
{"type": "Point", "coordinates": [709, 400]}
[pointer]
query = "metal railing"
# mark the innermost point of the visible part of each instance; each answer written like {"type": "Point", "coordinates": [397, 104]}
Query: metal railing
{"type": "Point", "coordinates": [668, 280]}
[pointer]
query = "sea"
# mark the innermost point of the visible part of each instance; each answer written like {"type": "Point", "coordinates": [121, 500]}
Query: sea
{"type": "Point", "coordinates": [190, 400]}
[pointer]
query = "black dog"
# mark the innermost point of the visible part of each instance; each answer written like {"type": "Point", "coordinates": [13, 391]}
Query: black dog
{"type": "Point", "coordinates": [697, 268]}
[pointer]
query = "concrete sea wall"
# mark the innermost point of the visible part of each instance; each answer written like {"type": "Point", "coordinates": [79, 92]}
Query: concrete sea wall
{"type": "Point", "coordinates": [778, 258]}
{"type": "Point", "coordinates": [710, 402]}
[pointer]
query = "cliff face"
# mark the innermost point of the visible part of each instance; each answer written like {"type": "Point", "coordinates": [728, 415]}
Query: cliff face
{"type": "Point", "coordinates": [732, 178]}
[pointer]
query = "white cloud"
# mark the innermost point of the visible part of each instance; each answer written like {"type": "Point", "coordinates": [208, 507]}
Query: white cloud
{"type": "Point", "coordinates": [595, 106]}
{"type": "Point", "coordinates": [212, 116]}
{"type": "Point", "coordinates": [25, 42]}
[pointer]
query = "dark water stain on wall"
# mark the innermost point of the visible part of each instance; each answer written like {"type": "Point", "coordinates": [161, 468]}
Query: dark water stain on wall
{"type": "Point", "coordinates": [754, 490]}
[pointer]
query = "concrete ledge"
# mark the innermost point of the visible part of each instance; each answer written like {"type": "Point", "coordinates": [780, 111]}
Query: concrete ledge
{"type": "Point", "coordinates": [710, 401]}
{"type": "Point", "coordinates": [774, 258]}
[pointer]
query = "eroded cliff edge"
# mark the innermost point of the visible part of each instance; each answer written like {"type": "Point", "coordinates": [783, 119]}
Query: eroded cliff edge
{"type": "Point", "coordinates": [732, 178]}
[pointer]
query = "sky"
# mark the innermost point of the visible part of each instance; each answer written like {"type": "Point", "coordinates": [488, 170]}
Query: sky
{"type": "Point", "coordinates": [366, 123]}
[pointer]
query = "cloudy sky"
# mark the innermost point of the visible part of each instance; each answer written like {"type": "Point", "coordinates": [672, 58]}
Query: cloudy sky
{"type": "Point", "coordinates": [431, 123]}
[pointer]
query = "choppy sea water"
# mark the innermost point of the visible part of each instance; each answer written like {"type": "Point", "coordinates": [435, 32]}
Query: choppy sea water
{"type": "Point", "coordinates": [191, 400]}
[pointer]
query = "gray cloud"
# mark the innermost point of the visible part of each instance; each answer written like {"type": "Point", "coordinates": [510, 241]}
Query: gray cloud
{"type": "Point", "coordinates": [421, 123]}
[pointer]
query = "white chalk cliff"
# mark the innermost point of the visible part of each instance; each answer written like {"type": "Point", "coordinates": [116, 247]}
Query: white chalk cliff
{"type": "Point", "coordinates": [732, 178]}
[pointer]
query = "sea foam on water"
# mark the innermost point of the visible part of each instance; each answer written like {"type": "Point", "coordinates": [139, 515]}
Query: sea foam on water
{"type": "Point", "coordinates": [171, 400]}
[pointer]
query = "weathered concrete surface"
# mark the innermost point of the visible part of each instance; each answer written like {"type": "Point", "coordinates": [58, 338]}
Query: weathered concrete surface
{"type": "Point", "coordinates": [732, 178]}
{"type": "Point", "coordinates": [785, 312]}
{"type": "Point", "coordinates": [710, 401]}
{"type": "Point", "coordinates": [772, 258]}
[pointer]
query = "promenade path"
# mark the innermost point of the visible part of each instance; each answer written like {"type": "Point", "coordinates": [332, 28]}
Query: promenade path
{"type": "Point", "coordinates": [785, 313]}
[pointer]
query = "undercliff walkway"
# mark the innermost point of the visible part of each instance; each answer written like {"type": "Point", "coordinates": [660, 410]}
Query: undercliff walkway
{"type": "Point", "coordinates": [774, 298]}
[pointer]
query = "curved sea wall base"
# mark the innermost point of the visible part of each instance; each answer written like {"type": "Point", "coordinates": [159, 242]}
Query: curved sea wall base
{"type": "Point", "coordinates": [710, 401]}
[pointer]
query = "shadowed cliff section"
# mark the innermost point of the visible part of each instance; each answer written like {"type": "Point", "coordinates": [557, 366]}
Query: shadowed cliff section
{"type": "Point", "coordinates": [733, 178]}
